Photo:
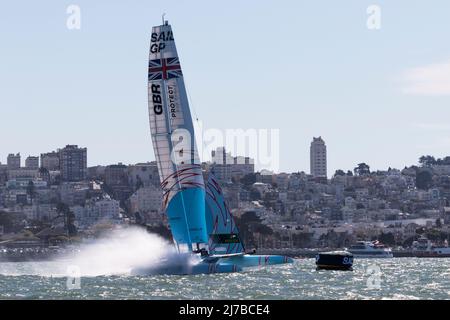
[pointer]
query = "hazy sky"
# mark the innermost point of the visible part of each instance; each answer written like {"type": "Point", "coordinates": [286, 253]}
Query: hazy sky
{"type": "Point", "coordinates": [308, 68]}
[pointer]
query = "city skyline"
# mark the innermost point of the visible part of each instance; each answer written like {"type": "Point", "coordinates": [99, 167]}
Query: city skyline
{"type": "Point", "coordinates": [20, 161]}
{"type": "Point", "coordinates": [375, 96]}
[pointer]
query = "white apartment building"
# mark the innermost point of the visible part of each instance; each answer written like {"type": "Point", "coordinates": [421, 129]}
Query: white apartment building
{"type": "Point", "coordinates": [108, 208]}
{"type": "Point", "coordinates": [23, 173]}
{"type": "Point", "coordinates": [96, 211]}
{"type": "Point", "coordinates": [146, 200]}
{"type": "Point", "coordinates": [225, 167]}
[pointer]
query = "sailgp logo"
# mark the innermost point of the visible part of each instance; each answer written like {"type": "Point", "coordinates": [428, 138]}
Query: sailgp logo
{"type": "Point", "coordinates": [157, 99]}
{"type": "Point", "coordinates": [159, 41]}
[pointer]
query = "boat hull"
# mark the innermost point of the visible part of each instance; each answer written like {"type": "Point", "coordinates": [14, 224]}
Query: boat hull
{"type": "Point", "coordinates": [334, 261]}
{"type": "Point", "coordinates": [250, 260]}
{"type": "Point", "coordinates": [367, 249]}
{"type": "Point", "coordinates": [372, 256]}
{"type": "Point", "coordinates": [220, 265]}
{"type": "Point", "coordinates": [436, 253]}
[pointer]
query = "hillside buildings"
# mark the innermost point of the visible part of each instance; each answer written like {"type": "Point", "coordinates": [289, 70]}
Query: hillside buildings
{"type": "Point", "coordinates": [225, 167]}
{"type": "Point", "coordinates": [275, 210]}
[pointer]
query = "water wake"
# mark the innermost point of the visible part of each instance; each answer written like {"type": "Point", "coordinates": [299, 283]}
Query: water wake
{"type": "Point", "coordinates": [118, 253]}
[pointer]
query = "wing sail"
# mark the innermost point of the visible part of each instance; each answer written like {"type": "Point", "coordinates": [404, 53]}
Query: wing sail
{"type": "Point", "coordinates": [174, 143]}
{"type": "Point", "coordinates": [223, 233]}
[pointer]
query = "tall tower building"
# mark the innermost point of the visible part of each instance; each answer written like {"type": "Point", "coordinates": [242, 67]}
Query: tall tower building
{"type": "Point", "coordinates": [13, 161]}
{"type": "Point", "coordinates": [318, 158]}
{"type": "Point", "coordinates": [73, 163]}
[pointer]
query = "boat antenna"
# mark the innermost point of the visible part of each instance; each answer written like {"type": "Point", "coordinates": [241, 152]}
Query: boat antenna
{"type": "Point", "coordinates": [163, 15]}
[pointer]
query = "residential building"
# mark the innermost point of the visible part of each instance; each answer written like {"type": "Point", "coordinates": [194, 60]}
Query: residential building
{"type": "Point", "coordinates": [225, 167]}
{"type": "Point", "coordinates": [23, 173]}
{"type": "Point", "coordinates": [73, 193]}
{"type": "Point", "coordinates": [50, 161]}
{"type": "Point", "coordinates": [32, 162]}
{"type": "Point", "coordinates": [318, 158]}
{"type": "Point", "coordinates": [116, 175]}
{"type": "Point", "coordinates": [143, 174]}
{"type": "Point", "coordinates": [73, 163]}
{"type": "Point", "coordinates": [13, 161]}
{"type": "Point", "coordinates": [146, 199]}
{"type": "Point", "coordinates": [96, 211]}
{"type": "Point", "coordinates": [3, 173]}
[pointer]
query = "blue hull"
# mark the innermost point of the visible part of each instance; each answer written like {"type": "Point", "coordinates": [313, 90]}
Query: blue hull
{"type": "Point", "coordinates": [248, 261]}
{"type": "Point", "coordinates": [221, 265]}
{"type": "Point", "coordinates": [200, 268]}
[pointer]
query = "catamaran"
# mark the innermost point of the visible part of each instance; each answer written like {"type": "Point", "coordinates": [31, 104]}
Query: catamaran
{"type": "Point", "coordinates": [201, 223]}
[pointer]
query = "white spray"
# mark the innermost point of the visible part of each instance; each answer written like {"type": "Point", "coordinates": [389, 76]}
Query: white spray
{"type": "Point", "coordinates": [117, 253]}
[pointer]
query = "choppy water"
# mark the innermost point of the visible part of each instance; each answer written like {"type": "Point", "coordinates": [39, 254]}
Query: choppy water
{"type": "Point", "coordinates": [398, 278]}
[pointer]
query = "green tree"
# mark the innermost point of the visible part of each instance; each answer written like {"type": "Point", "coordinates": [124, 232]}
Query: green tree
{"type": "Point", "coordinates": [44, 174]}
{"type": "Point", "coordinates": [255, 195]}
{"type": "Point", "coordinates": [63, 210]}
{"type": "Point", "coordinates": [339, 172]}
{"type": "Point", "coordinates": [11, 222]}
{"type": "Point", "coordinates": [139, 183]}
{"type": "Point", "coordinates": [31, 190]}
{"type": "Point", "coordinates": [362, 169]}
{"type": "Point", "coordinates": [423, 179]}
{"type": "Point", "coordinates": [427, 161]}
{"type": "Point", "coordinates": [438, 223]}
{"type": "Point", "coordinates": [387, 238]}
{"type": "Point", "coordinates": [248, 179]}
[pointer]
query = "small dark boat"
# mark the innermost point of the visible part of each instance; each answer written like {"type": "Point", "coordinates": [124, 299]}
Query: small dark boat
{"type": "Point", "coordinates": [334, 260]}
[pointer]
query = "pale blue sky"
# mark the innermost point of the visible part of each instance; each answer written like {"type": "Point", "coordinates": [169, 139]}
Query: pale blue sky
{"type": "Point", "coordinates": [309, 68]}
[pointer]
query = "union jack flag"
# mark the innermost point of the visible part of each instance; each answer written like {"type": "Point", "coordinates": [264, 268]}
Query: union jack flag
{"type": "Point", "coordinates": [162, 69]}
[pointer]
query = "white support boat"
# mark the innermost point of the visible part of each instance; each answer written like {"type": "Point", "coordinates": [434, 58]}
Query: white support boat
{"type": "Point", "coordinates": [368, 249]}
{"type": "Point", "coordinates": [424, 248]}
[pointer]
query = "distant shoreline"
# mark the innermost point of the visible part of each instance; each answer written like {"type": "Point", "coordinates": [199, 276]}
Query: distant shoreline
{"type": "Point", "coordinates": [46, 254]}
{"type": "Point", "coordinates": [305, 253]}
